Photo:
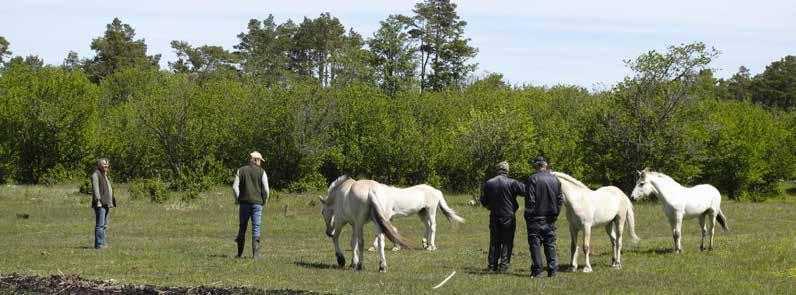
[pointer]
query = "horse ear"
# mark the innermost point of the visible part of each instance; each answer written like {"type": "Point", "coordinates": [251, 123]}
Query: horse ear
{"type": "Point", "coordinates": [639, 172]}
{"type": "Point", "coordinates": [323, 201]}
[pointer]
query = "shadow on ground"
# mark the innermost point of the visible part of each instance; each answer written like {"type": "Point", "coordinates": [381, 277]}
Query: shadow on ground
{"type": "Point", "coordinates": [316, 265]}
{"type": "Point", "coordinates": [73, 284]}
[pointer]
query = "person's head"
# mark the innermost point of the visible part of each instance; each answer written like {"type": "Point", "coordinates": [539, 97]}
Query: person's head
{"type": "Point", "coordinates": [540, 164]}
{"type": "Point", "coordinates": [255, 158]}
{"type": "Point", "coordinates": [103, 165]}
{"type": "Point", "coordinates": [503, 167]}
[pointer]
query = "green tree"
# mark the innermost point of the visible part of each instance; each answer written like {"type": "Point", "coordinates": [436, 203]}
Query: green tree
{"type": "Point", "coordinates": [203, 60]}
{"type": "Point", "coordinates": [264, 50]}
{"type": "Point", "coordinates": [351, 63]}
{"type": "Point", "coordinates": [4, 49]}
{"type": "Point", "coordinates": [776, 86]}
{"type": "Point", "coordinates": [72, 61]}
{"type": "Point", "coordinates": [118, 49]}
{"type": "Point", "coordinates": [444, 52]}
{"type": "Point", "coordinates": [739, 86]}
{"type": "Point", "coordinates": [48, 118]}
{"type": "Point", "coordinates": [644, 122]}
{"type": "Point", "coordinates": [393, 56]}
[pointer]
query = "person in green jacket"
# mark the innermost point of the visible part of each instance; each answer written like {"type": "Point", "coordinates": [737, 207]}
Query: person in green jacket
{"type": "Point", "coordinates": [251, 191]}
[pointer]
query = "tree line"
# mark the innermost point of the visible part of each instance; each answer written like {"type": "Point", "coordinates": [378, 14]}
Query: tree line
{"type": "Point", "coordinates": [400, 106]}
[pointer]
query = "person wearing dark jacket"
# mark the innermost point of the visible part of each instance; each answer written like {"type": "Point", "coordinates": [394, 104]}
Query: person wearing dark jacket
{"type": "Point", "coordinates": [499, 195]}
{"type": "Point", "coordinates": [543, 200]}
{"type": "Point", "coordinates": [251, 191]}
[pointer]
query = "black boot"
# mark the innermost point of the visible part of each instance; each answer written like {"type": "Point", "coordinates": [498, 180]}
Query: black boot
{"type": "Point", "coordinates": [241, 243]}
{"type": "Point", "coordinates": [505, 258]}
{"type": "Point", "coordinates": [256, 248]}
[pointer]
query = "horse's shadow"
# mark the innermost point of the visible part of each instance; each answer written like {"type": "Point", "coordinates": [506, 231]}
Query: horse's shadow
{"type": "Point", "coordinates": [655, 251]}
{"type": "Point", "coordinates": [316, 265]}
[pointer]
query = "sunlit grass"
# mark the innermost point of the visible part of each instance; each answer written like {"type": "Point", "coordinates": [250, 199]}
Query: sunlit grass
{"type": "Point", "coordinates": [178, 244]}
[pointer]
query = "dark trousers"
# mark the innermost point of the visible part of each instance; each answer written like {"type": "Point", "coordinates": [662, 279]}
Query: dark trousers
{"type": "Point", "coordinates": [501, 241]}
{"type": "Point", "coordinates": [542, 230]}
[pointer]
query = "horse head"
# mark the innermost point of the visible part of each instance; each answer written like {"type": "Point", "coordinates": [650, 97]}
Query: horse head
{"type": "Point", "coordinates": [327, 211]}
{"type": "Point", "coordinates": [643, 186]}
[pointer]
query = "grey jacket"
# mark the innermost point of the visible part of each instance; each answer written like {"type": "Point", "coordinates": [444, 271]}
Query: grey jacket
{"type": "Point", "coordinates": [95, 190]}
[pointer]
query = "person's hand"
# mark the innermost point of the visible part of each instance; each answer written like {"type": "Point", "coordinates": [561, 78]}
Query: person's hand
{"type": "Point", "coordinates": [99, 204]}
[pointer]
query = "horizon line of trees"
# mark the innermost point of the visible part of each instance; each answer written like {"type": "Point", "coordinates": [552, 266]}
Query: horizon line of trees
{"type": "Point", "coordinates": [400, 107]}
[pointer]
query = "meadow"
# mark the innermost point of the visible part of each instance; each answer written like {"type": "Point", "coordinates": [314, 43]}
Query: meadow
{"type": "Point", "coordinates": [49, 230]}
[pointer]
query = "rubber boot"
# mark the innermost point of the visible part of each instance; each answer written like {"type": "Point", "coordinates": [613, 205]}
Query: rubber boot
{"type": "Point", "coordinates": [241, 243]}
{"type": "Point", "coordinates": [256, 248]}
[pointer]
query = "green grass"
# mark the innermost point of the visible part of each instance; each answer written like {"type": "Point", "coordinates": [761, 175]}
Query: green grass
{"type": "Point", "coordinates": [177, 244]}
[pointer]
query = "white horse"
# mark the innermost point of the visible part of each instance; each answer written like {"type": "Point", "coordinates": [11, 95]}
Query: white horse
{"type": "Point", "coordinates": [423, 200]}
{"type": "Point", "coordinates": [357, 202]}
{"type": "Point", "coordinates": [586, 208]}
{"type": "Point", "coordinates": [680, 202]}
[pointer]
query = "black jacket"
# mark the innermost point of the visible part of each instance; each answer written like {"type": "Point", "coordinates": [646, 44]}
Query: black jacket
{"type": "Point", "coordinates": [499, 195]}
{"type": "Point", "coordinates": [543, 197]}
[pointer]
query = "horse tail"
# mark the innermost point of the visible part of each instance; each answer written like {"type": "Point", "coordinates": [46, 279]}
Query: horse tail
{"type": "Point", "coordinates": [448, 211]}
{"type": "Point", "coordinates": [387, 227]}
{"type": "Point", "coordinates": [722, 220]}
{"type": "Point", "coordinates": [631, 221]}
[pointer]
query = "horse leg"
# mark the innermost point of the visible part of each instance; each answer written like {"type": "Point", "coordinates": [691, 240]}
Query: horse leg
{"type": "Point", "coordinates": [573, 246]}
{"type": "Point", "coordinates": [356, 242]}
{"type": "Point", "coordinates": [609, 229]}
{"type": "Point", "coordinates": [423, 214]}
{"type": "Point", "coordinates": [375, 245]}
{"type": "Point", "coordinates": [619, 229]}
{"type": "Point", "coordinates": [677, 233]}
{"type": "Point", "coordinates": [702, 226]}
{"type": "Point", "coordinates": [712, 229]}
{"type": "Point", "coordinates": [380, 249]}
{"type": "Point", "coordinates": [337, 252]}
{"type": "Point", "coordinates": [431, 229]}
{"type": "Point", "coordinates": [587, 247]}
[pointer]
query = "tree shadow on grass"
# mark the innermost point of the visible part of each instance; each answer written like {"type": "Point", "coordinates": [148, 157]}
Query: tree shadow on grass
{"type": "Point", "coordinates": [317, 265]}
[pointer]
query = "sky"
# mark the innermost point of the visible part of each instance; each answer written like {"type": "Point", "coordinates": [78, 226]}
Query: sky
{"type": "Point", "coordinates": [544, 43]}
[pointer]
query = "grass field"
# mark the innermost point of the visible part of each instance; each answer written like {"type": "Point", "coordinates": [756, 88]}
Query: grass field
{"type": "Point", "coordinates": [178, 244]}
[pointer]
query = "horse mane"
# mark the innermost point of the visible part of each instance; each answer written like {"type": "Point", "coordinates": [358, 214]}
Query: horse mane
{"type": "Point", "coordinates": [337, 182]}
{"type": "Point", "coordinates": [570, 179]}
{"type": "Point", "coordinates": [661, 175]}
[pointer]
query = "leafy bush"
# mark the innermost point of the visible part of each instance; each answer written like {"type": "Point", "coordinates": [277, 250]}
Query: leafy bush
{"type": "Point", "coordinates": [153, 189]}
{"type": "Point", "coordinates": [190, 196]}
{"type": "Point", "coordinates": [85, 187]}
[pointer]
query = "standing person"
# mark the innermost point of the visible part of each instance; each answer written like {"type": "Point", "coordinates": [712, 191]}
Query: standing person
{"type": "Point", "coordinates": [543, 199]}
{"type": "Point", "coordinates": [251, 192]}
{"type": "Point", "coordinates": [102, 201]}
{"type": "Point", "coordinates": [499, 195]}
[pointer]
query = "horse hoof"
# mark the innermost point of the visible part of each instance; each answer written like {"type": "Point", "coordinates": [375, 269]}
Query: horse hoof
{"type": "Point", "coordinates": [382, 269]}
{"type": "Point", "coordinates": [396, 248]}
{"type": "Point", "coordinates": [340, 260]}
{"type": "Point", "coordinates": [616, 266]}
{"type": "Point", "coordinates": [371, 249]}
{"type": "Point", "coordinates": [431, 248]}
{"type": "Point", "coordinates": [587, 269]}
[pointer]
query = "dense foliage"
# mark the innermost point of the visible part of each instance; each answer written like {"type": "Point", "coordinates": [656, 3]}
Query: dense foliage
{"type": "Point", "coordinates": [318, 103]}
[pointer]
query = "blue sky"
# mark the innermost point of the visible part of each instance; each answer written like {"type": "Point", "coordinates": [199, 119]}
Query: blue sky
{"type": "Point", "coordinates": [536, 42]}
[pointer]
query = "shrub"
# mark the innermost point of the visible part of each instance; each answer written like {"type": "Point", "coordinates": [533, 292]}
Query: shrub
{"type": "Point", "coordinates": [190, 196]}
{"type": "Point", "coordinates": [153, 189]}
{"type": "Point", "coordinates": [85, 187]}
